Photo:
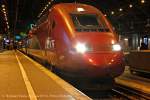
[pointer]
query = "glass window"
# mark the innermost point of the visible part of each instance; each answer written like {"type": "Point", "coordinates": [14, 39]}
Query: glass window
{"type": "Point", "coordinates": [88, 21]}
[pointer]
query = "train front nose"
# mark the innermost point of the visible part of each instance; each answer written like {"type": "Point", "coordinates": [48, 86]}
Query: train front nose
{"type": "Point", "coordinates": [95, 55]}
{"type": "Point", "coordinates": [104, 64]}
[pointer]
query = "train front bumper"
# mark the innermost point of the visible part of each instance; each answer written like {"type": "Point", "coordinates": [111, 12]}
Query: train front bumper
{"type": "Point", "coordinates": [93, 64]}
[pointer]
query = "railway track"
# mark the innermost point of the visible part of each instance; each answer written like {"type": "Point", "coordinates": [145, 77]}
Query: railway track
{"type": "Point", "coordinates": [119, 92]}
{"type": "Point", "coordinates": [130, 93]}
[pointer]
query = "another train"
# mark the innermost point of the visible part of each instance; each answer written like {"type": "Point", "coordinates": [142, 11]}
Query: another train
{"type": "Point", "coordinates": [78, 40]}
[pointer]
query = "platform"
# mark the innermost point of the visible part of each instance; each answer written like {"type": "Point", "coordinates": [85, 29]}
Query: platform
{"type": "Point", "coordinates": [21, 78]}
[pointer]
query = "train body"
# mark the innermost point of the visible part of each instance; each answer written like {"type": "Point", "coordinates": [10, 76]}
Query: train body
{"type": "Point", "coordinates": [78, 40]}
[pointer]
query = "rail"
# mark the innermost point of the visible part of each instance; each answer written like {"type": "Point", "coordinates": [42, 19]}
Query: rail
{"type": "Point", "coordinates": [130, 93]}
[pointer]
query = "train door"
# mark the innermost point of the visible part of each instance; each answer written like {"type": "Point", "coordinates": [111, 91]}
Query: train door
{"type": "Point", "coordinates": [50, 42]}
{"type": "Point", "coordinates": [145, 42]}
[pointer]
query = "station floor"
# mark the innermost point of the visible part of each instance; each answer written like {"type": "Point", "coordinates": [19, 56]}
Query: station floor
{"type": "Point", "coordinates": [21, 78]}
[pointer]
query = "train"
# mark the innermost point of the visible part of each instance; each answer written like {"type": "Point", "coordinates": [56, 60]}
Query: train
{"type": "Point", "coordinates": [78, 40]}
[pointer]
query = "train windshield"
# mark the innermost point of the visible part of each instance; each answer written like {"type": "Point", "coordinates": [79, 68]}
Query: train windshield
{"type": "Point", "coordinates": [88, 21]}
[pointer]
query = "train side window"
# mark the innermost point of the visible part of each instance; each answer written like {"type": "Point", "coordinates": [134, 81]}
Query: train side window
{"type": "Point", "coordinates": [89, 21]}
{"type": "Point", "coordinates": [50, 43]}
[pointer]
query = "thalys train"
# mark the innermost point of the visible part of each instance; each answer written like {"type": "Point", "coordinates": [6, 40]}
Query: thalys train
{"type": "Point", "coordinates": [78, 40]}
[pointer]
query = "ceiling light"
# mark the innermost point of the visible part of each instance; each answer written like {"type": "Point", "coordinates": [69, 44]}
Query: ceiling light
{"type": "Point", "coordinates": [112, 12]}
{"type": "Point", "coordinates": [3, 6]}
{"type": "Point", "coordinates": [49, 3]}
{"type": "Point", "coordinates": [7, 26]}
{"type": "Point", "coordinates": [120, 9]}
{"type": "Point", "coordinates": [130, 5]}
{"type": "Point", "coordinates": [3, 9]}
{"type": "Point", "coordinates": [142, 1]}
{"type": "Point", "coordinates": [126, 39]}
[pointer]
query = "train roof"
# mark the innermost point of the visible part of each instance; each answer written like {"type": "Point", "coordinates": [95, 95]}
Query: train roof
{"type": "Point", "coordinates": [75, 8]}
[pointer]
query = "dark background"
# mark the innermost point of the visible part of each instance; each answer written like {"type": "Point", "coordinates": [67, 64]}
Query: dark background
{"type": "Point", "coordinates": [22, 13]}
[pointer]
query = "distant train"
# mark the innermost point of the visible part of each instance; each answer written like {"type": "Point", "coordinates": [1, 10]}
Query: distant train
{"type": "Point", "coordinates": [77, 40]}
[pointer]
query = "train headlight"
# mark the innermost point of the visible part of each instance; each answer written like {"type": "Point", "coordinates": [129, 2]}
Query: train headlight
{"type": "Point", "coordinates": [81, 47]}
{"type": "Point", "coordinates": [116, 47]}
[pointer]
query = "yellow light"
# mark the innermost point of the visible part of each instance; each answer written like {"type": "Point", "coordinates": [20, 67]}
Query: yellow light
{"type": "Point", "coordinates": [126, 39]}
{"type": "Point", "coordinates": [142, 1]}
{"type": "Point", "coordinates": [112, 12]}
{"type": "Point", "coordinates": [105, 15]}
{"type": "Point", "coordinates": [3, 9]}
{"type": "Point", "coordinates": [49, 3]}
{"type": "Point", "coordinates": [90, 60]}
{"type": "Point", "coordinates": [130, 5]}
{"type": "Point", "coordinates": [8, 26]}
{"type": "Point", "coordinates": [3, 6]}
{"type": "Point", "coordinates": [112, 42]}
{"type": "Point", "coordinates": [112, 60]}
{"type": "Point", "coordinates": [120, 9]}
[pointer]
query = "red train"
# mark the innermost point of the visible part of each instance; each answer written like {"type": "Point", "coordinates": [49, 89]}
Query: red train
{"type": "Point", "coordinates": [78, 40]}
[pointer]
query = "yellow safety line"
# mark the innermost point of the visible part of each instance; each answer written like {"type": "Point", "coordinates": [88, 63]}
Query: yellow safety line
{"type": "Point", "coordinates": [30, 90]}
{"type": "Point", "coordinates": [66, 86]}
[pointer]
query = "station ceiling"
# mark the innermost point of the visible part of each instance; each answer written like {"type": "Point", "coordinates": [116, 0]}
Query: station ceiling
{"type": "Point", "coordinates": [21, 13]}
